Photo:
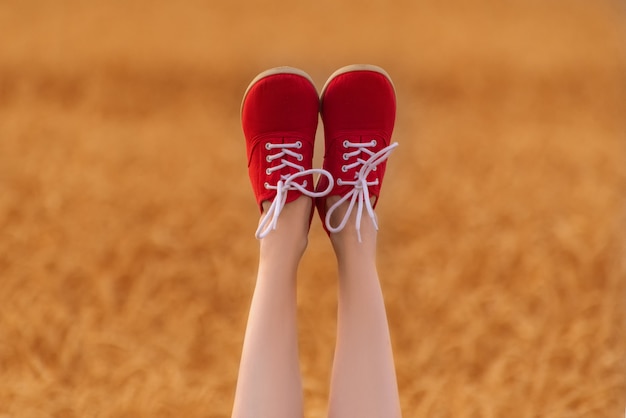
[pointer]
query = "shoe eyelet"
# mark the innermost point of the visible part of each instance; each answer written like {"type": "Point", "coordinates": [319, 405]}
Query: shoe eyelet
{"type": "Point", "coordinates": [374, 142]}
{"type": "Point", "coordinates": [266, 185]}
{"type": "Point", "coordinates": [268, 159]}
{"type": "Point", "coordinates": [298, 144]}
{"type": "Point", "coordinates": [268, 146]}
{"type": "Point", "coordinates": [304, 183]}
{"type": "Point", "coordinates": [375, 168]}
{"type": "Point", "coordinates": [344, 168]}
{"type": "Point", "coordinates": [345, 157]}
{"type": "Point", "coordinates": [300, 157]}
{"type": "Point", "coordinates": [345, 144]}
{"type": "Point", "coordinates": [268, 171]}
{"type": "Point", "coordinates": [339, 182]}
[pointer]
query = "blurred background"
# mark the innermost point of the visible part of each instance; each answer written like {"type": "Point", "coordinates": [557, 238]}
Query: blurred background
{"type": "Point", "coordinates": [127, 249]}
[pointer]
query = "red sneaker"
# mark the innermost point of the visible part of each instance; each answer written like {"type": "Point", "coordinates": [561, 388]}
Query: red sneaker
{"type": "Point", "coordinates": [279, 118]}
{"type": "Point", "coordinates": [358, 107]}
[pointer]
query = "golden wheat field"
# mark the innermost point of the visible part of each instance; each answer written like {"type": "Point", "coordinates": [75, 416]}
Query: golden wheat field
{"type": "Point", "coordinates": [127, 249]}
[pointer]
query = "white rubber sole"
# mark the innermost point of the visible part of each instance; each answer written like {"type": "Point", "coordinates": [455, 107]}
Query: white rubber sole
{"type": "Point", "coordinates": [356, 67]}
{"type": "Point", "coordinates": [275, 71]}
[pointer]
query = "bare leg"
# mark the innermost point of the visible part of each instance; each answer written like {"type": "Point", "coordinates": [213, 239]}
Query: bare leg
{"type": "Point", "coordinates": [269, 383]}
{"type": "Point", "coordinates": [363, 379]}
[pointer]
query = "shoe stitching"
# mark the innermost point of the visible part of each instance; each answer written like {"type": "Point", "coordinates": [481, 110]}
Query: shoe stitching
{"type": "Point", "coordinates": [359, 194]}
{"type": "Point", "coordinates": [269, 221]}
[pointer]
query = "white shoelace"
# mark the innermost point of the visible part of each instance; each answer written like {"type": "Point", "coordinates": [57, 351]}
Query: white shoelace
{"type": "Point", "coordinates": [360, 193]}
{"type": "Point", "coordinates": [287, 182]}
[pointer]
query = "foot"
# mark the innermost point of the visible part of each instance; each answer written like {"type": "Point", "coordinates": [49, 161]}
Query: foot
{"type": "Point", "coordinates": [279, 118]}
{"type": "Point", "coordinates": [358, 107]}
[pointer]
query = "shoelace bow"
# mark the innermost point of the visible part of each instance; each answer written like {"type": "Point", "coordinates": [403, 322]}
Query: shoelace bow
{"type": "Point", "coordinates": [359, 195]}
{"type": "Point", "coordinates": [287, 182]}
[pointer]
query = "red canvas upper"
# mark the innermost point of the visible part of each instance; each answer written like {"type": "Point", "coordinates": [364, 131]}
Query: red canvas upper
{"type": "Point", "coordinates": [357, 107]}
{"type": "Point", "coordinates": [280, 108]}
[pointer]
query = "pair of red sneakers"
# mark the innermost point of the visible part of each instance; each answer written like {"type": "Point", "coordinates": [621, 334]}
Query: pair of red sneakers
{"type": "Point", "coordinates": [279, 115]}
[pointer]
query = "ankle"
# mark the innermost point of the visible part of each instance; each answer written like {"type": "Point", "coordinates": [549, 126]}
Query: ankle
{"type": "Point", "coordinates": [346, 241]}
{"type": "Point", "coordinates": [290, 238]}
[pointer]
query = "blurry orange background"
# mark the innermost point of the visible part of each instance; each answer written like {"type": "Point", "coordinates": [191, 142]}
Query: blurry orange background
{"type": "Point", "coordinates": [127, 254]}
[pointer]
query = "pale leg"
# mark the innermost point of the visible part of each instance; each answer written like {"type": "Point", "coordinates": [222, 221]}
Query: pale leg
{"type": "Point", "coordinates": [363, 378]}
{"type": "Point", "coordinates": [269, 383]}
